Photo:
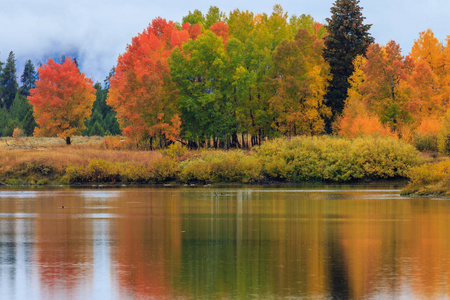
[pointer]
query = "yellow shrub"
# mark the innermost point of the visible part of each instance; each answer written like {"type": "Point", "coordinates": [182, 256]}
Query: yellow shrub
{"type": "Point", "coordinates": [221, 166]}
{"type": "Point", "coordinates": [328, 158]}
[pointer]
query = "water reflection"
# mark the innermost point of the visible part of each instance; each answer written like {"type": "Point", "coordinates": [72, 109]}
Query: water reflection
{"type": "Point", "coordinates": [206, 243]}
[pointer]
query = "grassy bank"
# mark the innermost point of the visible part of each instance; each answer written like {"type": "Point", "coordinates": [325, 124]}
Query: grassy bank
{"type": "Point", "coordinates": [429, 179]}
{"type": "Point", "coordinates": [300, 159]}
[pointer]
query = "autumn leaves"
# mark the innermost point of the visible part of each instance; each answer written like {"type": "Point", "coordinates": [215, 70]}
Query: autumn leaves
{"type": "Point", "coordinates": [233, 81]}
{"type": "Point", "coordinates": [398, 95]}
{"type": "Point", "coordinates": [62, 100]}
{"type": "Point", "coordinates": [256, 75]}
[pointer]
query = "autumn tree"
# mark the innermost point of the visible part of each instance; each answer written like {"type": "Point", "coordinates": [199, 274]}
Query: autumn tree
{"type": "Point", "coordinates": [200, 72]}
{"type": "Point", "coordinates": [300, 81]}
{"type": "Point", "coordinates": [195, 17]}
{"type": "Point", "coordinates": [142, 92]}
{"type": "Point", "coordinates": [62, 100]}
{"type": "Point", "coordinates": [240, 24]}
{"type": "Point", "coordinates": [357, 119]}
{"type": "Point", "coordinates": [347, 37]}
{"type": "Point", "coordinates": [386, 88]}
{"type": "Point", "coordinates": [428, 49]}
{"type": "Point", "coordinates": [213, 16]}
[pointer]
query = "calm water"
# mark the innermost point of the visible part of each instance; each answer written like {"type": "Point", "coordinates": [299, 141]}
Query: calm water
{"type": "Point", "coordinates": [209, 243]}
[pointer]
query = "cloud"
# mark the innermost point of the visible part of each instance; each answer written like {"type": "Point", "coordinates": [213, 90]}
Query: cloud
{"type": "Point", "coordinates": [99, 30]}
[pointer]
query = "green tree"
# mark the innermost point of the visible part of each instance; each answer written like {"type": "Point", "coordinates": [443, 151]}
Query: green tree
{"type": "Point", "coordinates": [8, 81]}
{"type": "Point", "coordinates": [97, 130]}
{"type": "Point", "coordinates": [205, 88]}
{"type": "Point", "coordinates": [28, 79]}
{"type": "Point", "coordinates": [102, 114]}
{"type": "Point", "coordinates": [240, 24]}
{"type": "Point", "coordinates": [29, 123]}
{"type": "Point", "coordinates": [213, 16]}
{"type": "Point", "coordinates": [347, 37]}
{"type": "Point", "coordinates": [195, 17]}
{"type": "Point", "coordinates": [20, 107]}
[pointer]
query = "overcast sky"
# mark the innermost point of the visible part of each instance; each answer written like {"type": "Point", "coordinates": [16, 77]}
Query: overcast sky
{"type": "Point", "coordinates": [99, 30]}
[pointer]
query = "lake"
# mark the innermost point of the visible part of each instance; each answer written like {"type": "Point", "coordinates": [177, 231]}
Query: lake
{"type": "Point", "coordinates": [319, 242]}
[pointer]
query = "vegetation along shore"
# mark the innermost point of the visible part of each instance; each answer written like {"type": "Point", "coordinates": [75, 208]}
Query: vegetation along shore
{"type": "Point", "coordinates": [299, 159]}
{"type": "Point", "coordinates": [238, 97]}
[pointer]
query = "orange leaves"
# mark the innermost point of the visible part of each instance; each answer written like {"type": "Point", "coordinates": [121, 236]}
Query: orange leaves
{"type": "Point", "coordinates": [220, 29]}
{"type": "Point", "coordinates": [142, 91]}
{"type": "Point", "coordinates": [62, 99]}
{"type": "Point", "coordinates": [408, 94]}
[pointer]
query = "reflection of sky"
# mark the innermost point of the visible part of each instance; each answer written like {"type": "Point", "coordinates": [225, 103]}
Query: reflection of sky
{"type": "Point", "coordinates": [102, 288]}
{"type": "Point", "coordinates": [19, 272]}
{"type": "Point", "coordinates": [16, 251]}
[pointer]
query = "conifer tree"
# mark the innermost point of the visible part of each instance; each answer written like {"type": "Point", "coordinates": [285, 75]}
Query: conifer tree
{"type": "Point", "coordinates": [8, 81]}
{"type": "Point", "coordinates": [28, 79]}
{"type": "Point", "coordinates": [347, 37]}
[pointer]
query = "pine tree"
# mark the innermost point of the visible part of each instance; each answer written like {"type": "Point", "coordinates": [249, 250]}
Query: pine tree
{"type": "Point", "coordinates": [28, 79]}
{"type": "Point", "coordinates": [29, 123]}
{"type": "Point", "coordinates": [347, 38]}
{"type": "Point", "coordinates": [8, 81]}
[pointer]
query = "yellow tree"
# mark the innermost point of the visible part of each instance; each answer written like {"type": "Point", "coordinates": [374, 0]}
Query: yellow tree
{"type": "Point", "coordinates": [428, 49]}
{"type": "Point", "coordinates": [357, 119]}
{"type": "Point", "coordinates": [62, 100]}
{"type": "Point", "coordinates": [299, 84]}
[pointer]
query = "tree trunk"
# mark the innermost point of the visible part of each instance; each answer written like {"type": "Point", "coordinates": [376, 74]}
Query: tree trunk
{"type": "Point", "coordinates": [68, 142]}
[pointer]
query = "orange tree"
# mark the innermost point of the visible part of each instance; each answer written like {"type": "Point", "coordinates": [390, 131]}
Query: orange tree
{"type": "Point", "coordinates": [142, 91]}
{"type": "Point", "coordinates": [62, 100]}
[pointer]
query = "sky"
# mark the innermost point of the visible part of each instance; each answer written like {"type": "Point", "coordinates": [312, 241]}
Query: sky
{"type": "Point", "coordinates": [99, 30]}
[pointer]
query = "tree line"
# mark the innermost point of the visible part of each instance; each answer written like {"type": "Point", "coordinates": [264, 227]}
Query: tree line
{"type": "Point", "coordinates": [232, 81]}
{"type": "Point", "coordinates": [217, 80]}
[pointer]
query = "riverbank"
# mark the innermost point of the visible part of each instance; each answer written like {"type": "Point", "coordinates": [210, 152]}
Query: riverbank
{"type": "Point", "coordinates": [301, 159]}
{"type": "Point", "coordinates": [431, 179]}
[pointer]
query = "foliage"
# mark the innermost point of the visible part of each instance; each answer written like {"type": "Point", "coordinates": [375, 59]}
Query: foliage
{"type": "Point", "coordinates": [62, 99]}
{"type": "Point", "coordinates": [301, 76]}
{"type": "Point", "coordinates": [141, 89]}
{"type": "Point", "coordinates": [429, 179]}
{"type": "Point", "coordinates": [347, 37]}
{"type": "Point", "coordinates": [220, 166]}
{"type": "Point", "coordinates": [205, 88]}
{"type": "Point", "coordinates": [336, 159]}
{"type": "Point", "coordinates": [28, 79]}
{"type": "Point", "coordinates": [356, 119]}
{"type": "Point", "coordinates": [8, 82]}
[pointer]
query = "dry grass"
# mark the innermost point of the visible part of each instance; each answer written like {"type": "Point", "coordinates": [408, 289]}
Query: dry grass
{"type": "Point", "coordinates": [54, 152]}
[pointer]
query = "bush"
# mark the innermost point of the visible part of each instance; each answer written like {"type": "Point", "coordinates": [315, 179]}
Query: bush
{"type": "Point", "coordinates": [221, 166]}
{"type": "Point", "coordinates": [431, 178]}
{"type": "Point", "coordinates": [336, 159]}
{"type": "Point", "coordinates": [426, 142]}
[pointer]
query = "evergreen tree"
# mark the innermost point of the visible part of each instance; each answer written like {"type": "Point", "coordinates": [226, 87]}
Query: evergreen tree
{"type": "Point", "coordinates": [28, 79]}
{"type": "Point", "coordinates": [97, 130]}
{"type": "Point", "coordinates": [20, 108]}
{"type": "Point", "coordinates": [29, 123]}
{"type": "Point", "coordinates": [347, 38]}
{"type": "Point", "coordinates": [8, 81]}
{"type": "Point", "coordinates": [102, 113]}
{"type": "Point", "coordinates": [4, 120]}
